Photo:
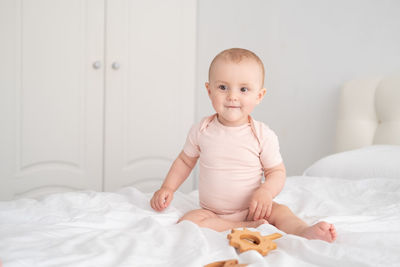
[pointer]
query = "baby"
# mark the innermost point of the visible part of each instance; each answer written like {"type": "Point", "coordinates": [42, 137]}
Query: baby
{"type": "Point", "coordinates": [234, 153]}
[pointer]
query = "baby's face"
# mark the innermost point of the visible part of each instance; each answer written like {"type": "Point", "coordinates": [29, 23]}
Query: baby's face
{"type": "Point", "coordinates": [235, 89]}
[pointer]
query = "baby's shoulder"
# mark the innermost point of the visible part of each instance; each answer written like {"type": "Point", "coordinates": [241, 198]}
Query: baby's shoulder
{"type": "Point", "coordinates": [261, 128]}
{"type": "Point", "coordinates": [201, 125]}
{"type": "Point", "coordinates": [263, 133]}
{"type": "Point", "coordinates": [204, 122]}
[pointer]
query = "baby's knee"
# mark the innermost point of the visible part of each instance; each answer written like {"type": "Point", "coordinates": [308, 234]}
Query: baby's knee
{"type": "Point", "coordinates": [278, 210]}
{"type": "Point", "coordinates": [279, 207]}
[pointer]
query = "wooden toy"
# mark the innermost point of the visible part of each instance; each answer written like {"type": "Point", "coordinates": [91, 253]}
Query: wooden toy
{"type": "Point", "coordinates": [246, 240]}
{"type": "Point", "coordinates": [228, 263]}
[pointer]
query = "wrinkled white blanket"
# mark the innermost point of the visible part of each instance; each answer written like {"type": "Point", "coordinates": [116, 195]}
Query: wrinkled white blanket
{"type": "Point", "coordinates": [120, 229]}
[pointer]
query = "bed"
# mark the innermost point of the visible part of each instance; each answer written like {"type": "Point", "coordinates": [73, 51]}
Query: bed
{"type": "Point", "coordinates": [357, 189]}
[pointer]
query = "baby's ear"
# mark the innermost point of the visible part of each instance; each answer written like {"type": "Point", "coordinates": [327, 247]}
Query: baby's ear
{"type": "Point", "coordinates": [261, 94]}
{"type": "Point", "coordinates": [208, 87]}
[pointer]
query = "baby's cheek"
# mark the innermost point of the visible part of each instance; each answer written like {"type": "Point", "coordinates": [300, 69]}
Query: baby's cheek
{"type": "Point", "coordinates": [248, 107]}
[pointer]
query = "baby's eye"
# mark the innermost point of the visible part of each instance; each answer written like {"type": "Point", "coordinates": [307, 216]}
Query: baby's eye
{"type": "Point", "coordinates": [222, 87]}
{"type": "Point", "coordinates": [244, 89]}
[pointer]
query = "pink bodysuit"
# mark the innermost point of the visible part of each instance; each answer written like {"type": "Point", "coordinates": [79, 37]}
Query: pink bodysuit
{"type": "Point", "coordinates": [231, 163]}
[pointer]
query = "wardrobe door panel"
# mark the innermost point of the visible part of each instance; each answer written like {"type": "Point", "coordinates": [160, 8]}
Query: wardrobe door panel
{"type": "Point", "coordinates": [51, 96]}
{"type": "Point", "coordinates": [150, 89]}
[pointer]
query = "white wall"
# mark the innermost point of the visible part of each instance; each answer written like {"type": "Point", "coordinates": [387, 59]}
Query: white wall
{"type": "Point", "coordinates": [309, 49]}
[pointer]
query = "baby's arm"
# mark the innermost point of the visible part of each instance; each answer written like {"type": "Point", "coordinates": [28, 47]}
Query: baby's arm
{"type": "Point", "coordinates": [261, 202]}
{"type": "Point", "coordinates": [177, 174]}
{"type": "Point", "coordinates": [274, 179]}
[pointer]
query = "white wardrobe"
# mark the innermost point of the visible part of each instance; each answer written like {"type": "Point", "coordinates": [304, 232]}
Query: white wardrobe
{"type": "Point", "coordinates": [94, 94]}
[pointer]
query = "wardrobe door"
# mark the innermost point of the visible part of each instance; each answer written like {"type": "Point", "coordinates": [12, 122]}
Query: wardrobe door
{"type": "Point", "coordinates": [149, 88]}
{"type": "Point", "coordinates": [51, 96]}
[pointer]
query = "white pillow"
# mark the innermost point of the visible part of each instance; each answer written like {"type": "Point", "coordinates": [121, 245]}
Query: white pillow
{"type": "Point", "coordinates": [367, 162]}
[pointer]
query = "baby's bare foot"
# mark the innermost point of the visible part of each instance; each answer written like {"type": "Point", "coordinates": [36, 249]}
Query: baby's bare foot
{"type": "Point", "coordinates": [322, 230]}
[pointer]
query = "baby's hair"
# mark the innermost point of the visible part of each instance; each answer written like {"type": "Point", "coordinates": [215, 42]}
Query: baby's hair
{"type": "Point", "coordinates": [236, 55]}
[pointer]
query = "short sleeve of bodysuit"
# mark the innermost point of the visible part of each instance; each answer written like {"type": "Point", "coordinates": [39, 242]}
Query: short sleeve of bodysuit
{"type": "Point", "coordinates": [191, 147]}
{"type": "Point", "coordinates": [270, 155]}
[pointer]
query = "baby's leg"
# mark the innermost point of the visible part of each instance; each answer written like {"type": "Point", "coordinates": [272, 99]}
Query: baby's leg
{"type": "Point", "coordinates": [284, 219]}
{"type": "Point", "coordinates": [208, 219]}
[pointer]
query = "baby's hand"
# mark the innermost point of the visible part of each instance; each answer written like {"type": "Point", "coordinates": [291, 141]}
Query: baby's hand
{"type": "Point", "coordinates": [161, 198]}
{"type": "Point", "coordinates": [260, 205]}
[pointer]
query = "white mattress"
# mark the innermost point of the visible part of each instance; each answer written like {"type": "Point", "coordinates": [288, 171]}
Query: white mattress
{"type": "Point", "coordinates": [120, 229]}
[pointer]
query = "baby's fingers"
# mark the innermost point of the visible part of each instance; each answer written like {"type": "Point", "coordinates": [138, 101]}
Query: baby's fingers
{"type": "Point", "coordinates": [161, 201]}
{"type": "Point", "coordinates": [168, 200]}
{"type": "Point", "coordinates": [252, 209]}
{"type": "Point", "coordinates": [263, 212]}
{"type": "Point", "coordinates": [269, 211]}
{"type": "Point", "coordinates": [258, 212]}
{"type": "Point", "coordinates": [153, 203]}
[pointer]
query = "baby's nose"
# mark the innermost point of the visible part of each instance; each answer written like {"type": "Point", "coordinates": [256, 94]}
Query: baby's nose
{"type": "Point", "coordinates": [232, 95]}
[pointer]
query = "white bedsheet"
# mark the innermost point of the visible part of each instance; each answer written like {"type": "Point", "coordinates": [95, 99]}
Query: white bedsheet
{"type": "Point", "coordinates": [120, 229]}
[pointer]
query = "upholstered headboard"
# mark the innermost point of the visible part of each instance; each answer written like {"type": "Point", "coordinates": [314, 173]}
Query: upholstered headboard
{"type": "Point", "coordinates": [369, 113]}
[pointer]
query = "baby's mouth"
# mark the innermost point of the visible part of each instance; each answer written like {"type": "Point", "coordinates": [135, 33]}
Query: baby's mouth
{"type": "Point", "coordinates": [232, 106]}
